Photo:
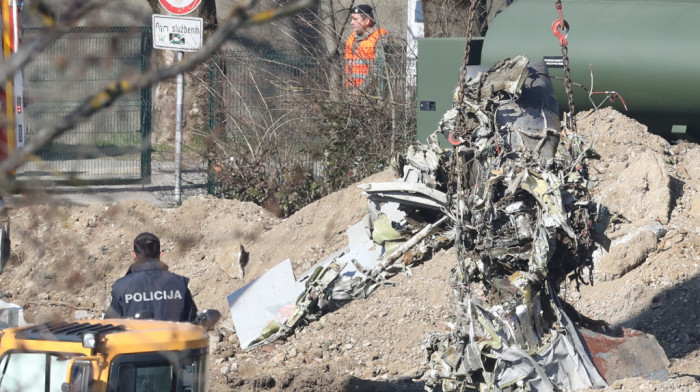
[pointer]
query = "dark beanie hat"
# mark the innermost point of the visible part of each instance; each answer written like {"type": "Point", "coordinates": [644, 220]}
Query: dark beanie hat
{"type": "Point", "coordinates": [363, 9]}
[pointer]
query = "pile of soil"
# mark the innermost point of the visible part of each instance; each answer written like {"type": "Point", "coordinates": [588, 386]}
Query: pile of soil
{"type": "Point", "coordinates": [65, 258]}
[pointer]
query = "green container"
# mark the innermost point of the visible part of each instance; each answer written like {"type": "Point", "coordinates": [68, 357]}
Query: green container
{"type": "Point", "coordinates": [438, 67]}
{"type": "Point", "coordinates": [648, 51]}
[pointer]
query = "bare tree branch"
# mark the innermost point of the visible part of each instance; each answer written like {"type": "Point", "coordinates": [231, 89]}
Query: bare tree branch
{"type": "Point", "coordinates": [54, 31]}
{"type": "Point", "coordinates": [238, 17]}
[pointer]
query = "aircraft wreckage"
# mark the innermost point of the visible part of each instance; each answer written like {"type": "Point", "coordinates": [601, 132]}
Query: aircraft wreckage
{"type": "Point", "coordinates": [512, 196]}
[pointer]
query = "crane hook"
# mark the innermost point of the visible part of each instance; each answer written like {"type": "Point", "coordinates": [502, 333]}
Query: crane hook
{"type": "Point", "coordinates": [560, 29]}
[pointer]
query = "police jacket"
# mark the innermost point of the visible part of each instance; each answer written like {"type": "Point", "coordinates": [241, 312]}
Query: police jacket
{"type": "Point", "coordinates": [149, 288]}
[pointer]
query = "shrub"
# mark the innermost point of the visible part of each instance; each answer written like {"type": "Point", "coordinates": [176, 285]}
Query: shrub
{"type": "Point", "coordinates": [282, 190]}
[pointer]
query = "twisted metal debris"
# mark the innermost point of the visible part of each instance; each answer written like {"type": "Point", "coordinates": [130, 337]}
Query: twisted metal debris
{"type": "Point", "coordinates": [522, 218]}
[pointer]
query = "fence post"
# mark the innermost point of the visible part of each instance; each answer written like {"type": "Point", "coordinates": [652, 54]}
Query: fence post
{"type": "Point", "coordinates": [213, 68]}
{"type": "Point", "coordinates": [146, 49]}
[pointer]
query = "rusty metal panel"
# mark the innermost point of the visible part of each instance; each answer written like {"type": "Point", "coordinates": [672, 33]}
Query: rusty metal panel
{"type": "Point", "coordinates": [635, 354]}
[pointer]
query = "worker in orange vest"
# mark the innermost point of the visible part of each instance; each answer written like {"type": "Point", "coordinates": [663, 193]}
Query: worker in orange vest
{"type": "Point", "coordinates": [364, 52]}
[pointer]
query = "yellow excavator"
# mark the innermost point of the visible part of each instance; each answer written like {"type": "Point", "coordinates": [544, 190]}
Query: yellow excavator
{"type": "Point", "coordinates": [111, 355]}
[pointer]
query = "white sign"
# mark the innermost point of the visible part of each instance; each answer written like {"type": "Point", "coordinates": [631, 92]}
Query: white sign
{"type": "Point", "coordinates": [180, 7]}
{"type": "Point", "coordinates": [177, 33]}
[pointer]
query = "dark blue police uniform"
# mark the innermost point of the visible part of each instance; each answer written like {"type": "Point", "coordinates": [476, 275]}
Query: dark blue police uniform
{"type": "Point", "coordinates": [149, 287]}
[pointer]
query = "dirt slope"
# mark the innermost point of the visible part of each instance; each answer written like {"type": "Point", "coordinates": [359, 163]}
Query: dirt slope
{"type": "Point", "coordinates": [66, 257]}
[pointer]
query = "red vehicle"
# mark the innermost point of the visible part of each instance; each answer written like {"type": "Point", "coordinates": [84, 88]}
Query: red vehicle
{"type": "Point", "coordinates": [11, 92]}
{"type": "Point", "coordinates": [12, 129]}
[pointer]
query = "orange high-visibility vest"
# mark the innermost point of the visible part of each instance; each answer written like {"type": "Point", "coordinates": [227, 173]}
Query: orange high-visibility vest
{"type": "Point", "coordinates": [359, 61]}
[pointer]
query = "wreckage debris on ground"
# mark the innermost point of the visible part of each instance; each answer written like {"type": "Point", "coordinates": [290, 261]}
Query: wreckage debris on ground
{"type": "Point", "coordinates": [512, 196]}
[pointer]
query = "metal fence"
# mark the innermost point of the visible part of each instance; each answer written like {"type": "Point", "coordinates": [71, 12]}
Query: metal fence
{"type": "Point", "coordinates": [256, 99]}
{"type": "Point", "coordinates": [267, 103]}
{"type": "Point", "coordinates": [112, 146]}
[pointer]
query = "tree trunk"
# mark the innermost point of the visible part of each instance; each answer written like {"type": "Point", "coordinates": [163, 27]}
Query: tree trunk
{"type": "Point", "coordinates": [331, 42]}
{"type": "Point", "coordinates": [448, 18]}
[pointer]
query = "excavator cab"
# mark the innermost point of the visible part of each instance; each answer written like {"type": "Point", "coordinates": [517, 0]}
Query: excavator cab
{"type": "Point", "coordinates": [179, 371]}
{"type": "Point", "coordinates": [105, 356]}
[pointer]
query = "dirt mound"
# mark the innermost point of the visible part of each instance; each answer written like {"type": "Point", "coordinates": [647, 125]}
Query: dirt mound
{"type": "Point", "coordinates": [66, 257]}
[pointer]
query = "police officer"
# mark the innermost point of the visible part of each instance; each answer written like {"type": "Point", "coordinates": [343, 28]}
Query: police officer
{"type": "Point", "coordinates": [149, 290]}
